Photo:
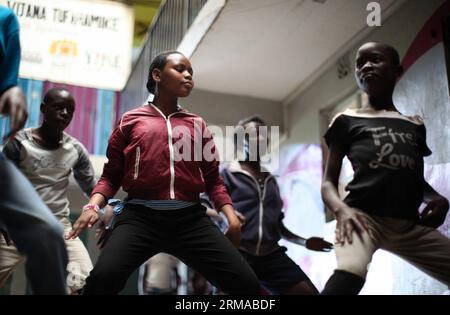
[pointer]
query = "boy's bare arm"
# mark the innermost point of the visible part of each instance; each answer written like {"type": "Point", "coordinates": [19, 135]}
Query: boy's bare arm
{"type": "Point", "coordinates": [13, 104]}
{"type": "Point", "coordinates": [312, 243]}
{"type": "Point", "coordinates": [348, 219]}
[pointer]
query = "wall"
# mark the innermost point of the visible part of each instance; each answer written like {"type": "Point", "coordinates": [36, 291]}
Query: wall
{"type": "Point", "coordinates": [227, 109]}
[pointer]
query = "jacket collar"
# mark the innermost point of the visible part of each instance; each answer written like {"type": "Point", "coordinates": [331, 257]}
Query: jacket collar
{"type": "Point", "coordinates": [157, 112]}
{"type": "Point", "coordinates": [235, 167]}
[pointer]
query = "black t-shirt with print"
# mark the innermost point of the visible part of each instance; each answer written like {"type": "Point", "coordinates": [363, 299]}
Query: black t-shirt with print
{"type": "Point", "coordinates": [386, 154]}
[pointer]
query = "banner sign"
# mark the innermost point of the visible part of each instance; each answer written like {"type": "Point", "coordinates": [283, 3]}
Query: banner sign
{"type": "Point", "coordinates": [78, 42]}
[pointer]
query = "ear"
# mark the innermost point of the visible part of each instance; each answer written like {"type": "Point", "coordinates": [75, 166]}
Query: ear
{"type": "Point", "coordinates": [43, 106]}
{"type": "Point", "coordinates": [156, 75]}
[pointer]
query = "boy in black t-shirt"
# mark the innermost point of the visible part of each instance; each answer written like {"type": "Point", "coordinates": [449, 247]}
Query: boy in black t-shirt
{"type": "Point", "coordinates": [386, 150]}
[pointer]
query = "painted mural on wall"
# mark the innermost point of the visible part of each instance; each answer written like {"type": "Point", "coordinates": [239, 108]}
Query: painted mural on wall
{"type": "Point", "coordinates": [300, 176]}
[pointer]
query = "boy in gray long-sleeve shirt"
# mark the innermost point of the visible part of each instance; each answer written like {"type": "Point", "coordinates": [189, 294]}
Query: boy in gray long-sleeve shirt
{"type": "Point", "coordinates": [47, 156]}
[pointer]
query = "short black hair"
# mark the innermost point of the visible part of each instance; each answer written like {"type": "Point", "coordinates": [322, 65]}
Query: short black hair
{"type": "Point", "coordinates": [54, 92]}
{"type": "Point", "coordinates": [393, 53]}
{"type": "Point", "coordinates": [159, 62]}
{"type": "Point", "coordinates": [254, 118]}
{"type": "Point", "coordinates": [395, 57]}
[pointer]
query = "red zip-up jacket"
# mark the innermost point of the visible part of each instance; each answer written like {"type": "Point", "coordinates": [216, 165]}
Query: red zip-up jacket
{"type": "Point", "coordinates": [142, 158]}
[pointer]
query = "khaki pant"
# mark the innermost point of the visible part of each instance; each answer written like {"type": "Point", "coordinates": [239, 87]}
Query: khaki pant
{"type": "Point", "coordinates": [78, 267]}
{"type": "Point", "coordinates": [424, 247]}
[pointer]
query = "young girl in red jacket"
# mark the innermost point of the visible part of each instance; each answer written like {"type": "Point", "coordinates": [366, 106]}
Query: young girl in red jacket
{"type": "Point", "coordinates": [162, 211]}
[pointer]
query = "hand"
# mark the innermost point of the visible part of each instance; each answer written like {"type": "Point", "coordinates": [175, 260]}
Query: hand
{"type": "Point", "coordinates": [234, 231]}
{"type": "Point", "coordinates": [435, 212]}
{"type": "Point", "coordinates": [318, 244]}
{"type": "Point", "coordinates": [234, 226]}
{"type": "Point", "coordinates": [13, 104]}
{"type": "Point", "coordinates": [240, 217]}
{"type": "Point", "coordinates": [349, 220]}
{"type": "Point", "coordinates": [87, 219]}
{"type": "Point", "coordinates": [213, 215]}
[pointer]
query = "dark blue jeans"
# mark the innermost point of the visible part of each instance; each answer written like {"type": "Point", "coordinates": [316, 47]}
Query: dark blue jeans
{"type": "Point", "coordinates": [34, 229]}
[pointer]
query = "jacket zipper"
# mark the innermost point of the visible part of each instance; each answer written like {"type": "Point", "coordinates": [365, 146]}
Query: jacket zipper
{"type": "Point", "coordinates": [261, 196]}
{"type": "Point", "coordinates": [136, 163]}
{"type": "Point", "coordinates": [171, 154]}
{"type": "Point", "coordinates": [261, 213]}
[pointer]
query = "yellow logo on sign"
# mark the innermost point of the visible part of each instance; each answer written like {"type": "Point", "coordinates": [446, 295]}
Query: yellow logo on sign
{"type": "Point", "coordinates": [64, 48]}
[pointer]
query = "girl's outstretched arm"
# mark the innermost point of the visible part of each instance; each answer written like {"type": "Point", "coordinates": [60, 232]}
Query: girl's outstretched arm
{"type": "Point", "coordinates": [88, 217]}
